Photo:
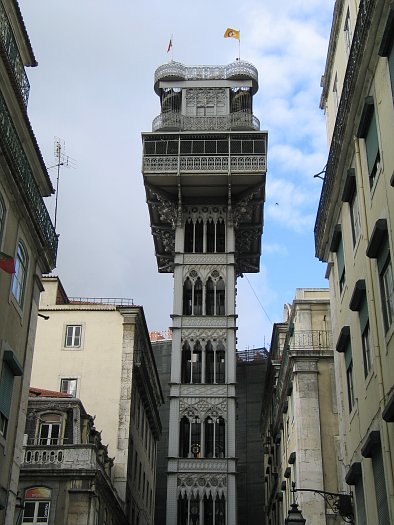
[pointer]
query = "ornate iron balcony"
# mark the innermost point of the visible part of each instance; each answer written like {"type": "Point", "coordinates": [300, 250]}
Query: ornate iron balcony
{"type": "Point", "coordinates": [178, 71]}
{"type": "Point", "coordinates": [172, 120]}
{"type": "Point", "coordinates": [10, 49]}
{"type": "Point", "coordinates": [214, 163]}
{"type": "Point", "coordinates": [24, 178]}
{"type": "Point", "coordinates": [353, 66]}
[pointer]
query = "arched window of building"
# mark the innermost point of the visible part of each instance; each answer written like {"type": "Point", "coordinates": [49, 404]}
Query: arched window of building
{"type": "Point", "coordinates": [194, 518]}
{"type": "Point", "coordinates": [194, 509]}
{"type": "Point", "coordinates": [220, 236]}
{"type": "Point", "coordinates": [195, 436]}
{"type": "Point", "coordinates": [197, 301]}
{"type": "Point", "coordinates": [208, 510]}
{"type": "Point", "coordinates": [209, 429]}
{"type": "Point", "coordinates": [49, 429]}
{"type": "Point", "coordinates": [190, 437]}
{"type": "Point", "coordinates": [214, 430]}
{"type": "Point", "coordinates": [20, 275]}
{"type": "Point", "coordinates": [209, 363]}
{"type": "Point", "coordinates": [199, 236]}
{"type": "Point", "coordinates": [210, 236]}
{"type": "Point", "coordinates": [187, 297]}
{"type": "Point", "coordinates": [220, 438]}
{"type": "Point", "coordinates": [196, 363]}
{"type": "Point", "coordinates": [184, 437]}
{"type": "Point", "coordinates": [220, 369]}
{"type": "Point", "coordinates": [220, 297]}
{"type": "Point", "coordinates": [189, 236]}
{"type": "Point", "coordinates": [210, 297]}
{"type": "Point", "coordinates": [186, 363]}
{"type": "Point", "coordinates": [183, 510]}
{"type": "Point", "coordinates": [220, 510]}
{"type": "Point", "coordinates": [37, 504]}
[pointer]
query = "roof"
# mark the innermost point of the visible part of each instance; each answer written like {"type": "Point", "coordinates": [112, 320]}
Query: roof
{"type": "Point", "coordinates": [41, 392]}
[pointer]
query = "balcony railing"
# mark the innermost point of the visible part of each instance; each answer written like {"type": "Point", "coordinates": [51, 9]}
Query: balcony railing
{"type": "Point", "coordinates": [177, 70]}
{"type": "Point", "coordinates": [10, 48]}
{"type": "Point", "coordinates": [353, 66]}
{"type": "Point", "coordinates": [214, 163]}
{"type": "Point", "coordinates": [172, 120]}
{"type": "Point", "coordinates": [61, 457]}
{"type": "Point", "coordinates": [115, 301]}
{"type": "Point", "coordinates": [25, 180]}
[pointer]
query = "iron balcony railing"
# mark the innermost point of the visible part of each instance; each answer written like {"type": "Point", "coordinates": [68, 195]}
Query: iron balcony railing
{"type": "Point", "coordinates": [12, 148]}
{"type": "Point", "coordinates": [11, 51]}
{"type": "Point", "coordinates": [177, 71]}
{"type": "Point", "coordinates": [239, 120]}
{"type": "Point", "coordinates": [353, 66]}
{"type": "Point", "coordinates": [116, 301]}
{"type": "Point", "coordinates": [214, 163]}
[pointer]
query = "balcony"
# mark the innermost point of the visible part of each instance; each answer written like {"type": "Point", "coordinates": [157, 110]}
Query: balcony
{"type": "Point", "coordinates": [10, 49]}
{"type": "Point", "coordinates": [234, 121]}
{"type": "Point", "coordinates": [60, 457]}
{"type": "Point", "coordinates": [196, 163]}
{"type": "Point", "coordinates": [24, 178]}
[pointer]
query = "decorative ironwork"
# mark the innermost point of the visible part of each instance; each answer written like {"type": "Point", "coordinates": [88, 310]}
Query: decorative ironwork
{"type": "Point", "coordinates": [341, 504]}
{"type": "Point", "coordinates": [252, 355]}
{"type": "Point", "coordinates": [173, 120]}
{"type": "Point", "coordinates": [237, 69]}
{"type": "Point", "coordinates": [115, 301]}
{"type": "Point", "coordinates": [10, 47]}
{"type": "Point", "coordinates": [24, 177]}
{"type": "Point", "coordinates": [217, 163]}
{"type": "Point", "coordinates": [353, 66]}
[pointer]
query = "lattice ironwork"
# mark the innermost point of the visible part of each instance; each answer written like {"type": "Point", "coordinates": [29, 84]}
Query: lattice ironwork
{"type": "Point", "coordinates": [10, 48]}
{"type": "Point", "coordinates": [24, 177]}
{"type": "Point", "coordinates": [180, 122]}
{"type": "Point", "coordinates": [349, 83]}
{"type": "Point", "coordinates": [169, 164]}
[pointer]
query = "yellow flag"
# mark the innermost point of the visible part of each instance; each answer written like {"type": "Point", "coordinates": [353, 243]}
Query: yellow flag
{"type": "Point", "coordinates": [232, 33]}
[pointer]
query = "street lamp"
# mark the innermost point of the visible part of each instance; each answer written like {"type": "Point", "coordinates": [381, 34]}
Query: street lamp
{"type": "Point", "coordinates": [340, 504]}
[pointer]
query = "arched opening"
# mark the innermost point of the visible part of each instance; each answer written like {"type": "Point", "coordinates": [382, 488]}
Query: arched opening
{"type": "Point", "coordinates": [208, 510]}
{"type": "Point", "coordinates": [197, 302]}
{"type": "Point", "coordinates": [210, 236]}
{"type": "Point", "coordinates": [209, 363]}
{"type": "Point", "coordinates": [220, 438]}
{"type": "Point", "coordinates": [199, 236]}
{"type": "Point", "coordinates": [210, 297]}
{"type": "Point", "coordinates": [220, 362]}
{"type": "Point", "coordinates": [195, 438]}
{"type": "Point", "coordinates": [183, 507]}
{"type": "Point", "coordinates": [187, 297]}
{"type": "Point", "coordinates": [220, 510]}
{"type": "Point", "coordinates": [220, 297]}
{"type": "Point", "coordinates": [220, 236]}
{"type": "Point", "coordinates": [189, 234]}
{"type": "Point", "coordinates": [196, 363]}
{"type": "Point", "coordinates": [184, 437]}
{"type": "Point", "coordinates": [209, 429]}
{"type": "Point", "coordinates": [186, 363]}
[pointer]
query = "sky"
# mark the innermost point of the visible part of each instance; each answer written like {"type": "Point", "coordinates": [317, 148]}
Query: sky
{"type": "Point", "coordinates": [93, 88]}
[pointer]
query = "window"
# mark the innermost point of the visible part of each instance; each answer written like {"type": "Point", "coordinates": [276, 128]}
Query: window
{"type": "Point", "coordinates": [36, 506]}
{"type": "Point", "coordinates": [349, 376]}
{"type": "Point", "coordinates": [10, 368]}
{"type": "Point", "coordinates": [69, 386]}
{"type": "Point", "coordinates": [20, 275]}
{"type": "Point", "coordinates": [387, 292]}
{"type": "Point", "coordinates": [355, 218]}
{"type": "Point", "coordinates": [365, 336]}
{"type": "Point", "coordinates": [335, 92]}
{"type": "Point", "coordinates": [49, 431]}
{"type": "Point", "coordinates": [387, 47]}
{"type": "Point", "coordinates": [337, 247]}
{"type": "Point", "coordinates": [203, 365]}
{"type": "Point", "coordinates": [348, 32]}
{"type": "Point", "coordinates": [369, 132]}
{"type": "Point", "coordinates": [204, 235]}
{"type": "Point", "coordinates": [207, 509]}
{"type": "Point", "coordinates": [73, 336]}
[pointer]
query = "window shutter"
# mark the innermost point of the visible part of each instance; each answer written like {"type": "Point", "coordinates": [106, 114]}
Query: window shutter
{"type": "Point", "coordinates": [371, 143]}
{"type": "Point", "coordinates": [363, 314]}
{"type": "Point", "coordinates": [340, 258]}
{"type": "Point", "coordinates": [348, 355]}
{"type": "Point", "coordinates": [383, 254]}
{"type": "Point", "coordinates": [6, 384]}
{"type": "Point", "coordinates": [380, 486]}
{"type": "Point", "coordinates": [360, 502]}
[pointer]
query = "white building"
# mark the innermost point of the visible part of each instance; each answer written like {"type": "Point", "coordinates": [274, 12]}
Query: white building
{"type": "Point", "coordinates": [99, 351]}
{"type": "Point", "coordinates": [204, 168]}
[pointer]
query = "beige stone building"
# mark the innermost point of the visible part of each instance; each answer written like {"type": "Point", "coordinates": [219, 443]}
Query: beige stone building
{"type": "Point", "coordinates": [27, 236]}
{"type": "Point", "coordinates": [300, 425]}
{"type": "Point", "coordinates": [99, 350]}
{"type": "Point", "coordinates": [354, 235]}
{"type": "Point", "coordinates": [65, 474]}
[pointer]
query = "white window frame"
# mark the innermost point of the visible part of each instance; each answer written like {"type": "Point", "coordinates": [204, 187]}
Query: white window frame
{"type": "Point", "coordinates": [71, 391]}
{"type": "Point", "coordinates": [70, 333]}
{"type": "Point", "coordinates": [19, 278]}
{"type": "Point", "coordinates": [36, 504]}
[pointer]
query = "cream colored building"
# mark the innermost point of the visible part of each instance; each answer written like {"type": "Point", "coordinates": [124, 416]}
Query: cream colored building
{"type": "Point", "coordinates": [354, 235]}
{"type": "Point", "coordinates": [99, 350]}
{"type": "Point", "coordinates": [28, 236]}
{"type": "Point", "coordinates": [300, 425]}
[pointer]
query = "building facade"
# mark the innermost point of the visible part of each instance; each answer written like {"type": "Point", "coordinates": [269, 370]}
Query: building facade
{"type": "Point", "coordinates": [65, 474]}
{"type": "Point", "coordinates": [204, 168]}
{"type": "Point", "coordinates": [99, 350]}
{"type": "Point", "coordinates": [27, 241]}
{"type": "Point", "coordinates": [354, 235]}
{"type": "Point", "coordinates": [300, 424]}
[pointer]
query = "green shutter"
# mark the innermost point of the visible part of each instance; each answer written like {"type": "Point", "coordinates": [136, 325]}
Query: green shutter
{"type": "Point", "coordinates": [371, 143]}
{"type": "Point", "coordinates": [6, 384]}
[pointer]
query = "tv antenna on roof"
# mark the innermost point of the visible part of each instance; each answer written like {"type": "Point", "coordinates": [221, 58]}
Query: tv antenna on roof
{"type": "Point", "coordinates": [61, 160]}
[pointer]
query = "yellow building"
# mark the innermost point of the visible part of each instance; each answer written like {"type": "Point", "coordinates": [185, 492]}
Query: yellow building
{"type": "Point", "coordinates": [27, 236]}
{"type": "Point", "coordinates": [354, 235]}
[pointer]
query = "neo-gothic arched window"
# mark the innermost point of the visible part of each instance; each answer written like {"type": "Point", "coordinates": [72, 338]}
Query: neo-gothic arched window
{"type": "Point", "coordinates": [186, 363]}
{"type": "Point", "coordinates": [193, 509]}
{"type": "Point", "coordinates": [190, 437]}
{"type": "Point", "coordinates": [205, 236]}
{"type": "Point", "coordinates": [215, 435]}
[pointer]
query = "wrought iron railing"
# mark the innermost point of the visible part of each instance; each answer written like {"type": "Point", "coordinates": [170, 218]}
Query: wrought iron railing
{"type": "Point", "coordinates": [352, 69]}
{"type": "Point", "coordinates": [9, 45]}
{"type": "Point", "coordinates": [241, 119]}
{"type": "Point", "coordinates": [116, 301]}
{"type": "Point", "coordinates": [177, 70]}
{"type": "Point", "coordinates": [24, 177]}
{"type": "Point", "coordinates": [215, 163]}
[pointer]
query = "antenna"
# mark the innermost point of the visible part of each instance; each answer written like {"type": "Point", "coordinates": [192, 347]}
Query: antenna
{"type": "Point", "coordinates": [61, 160]}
